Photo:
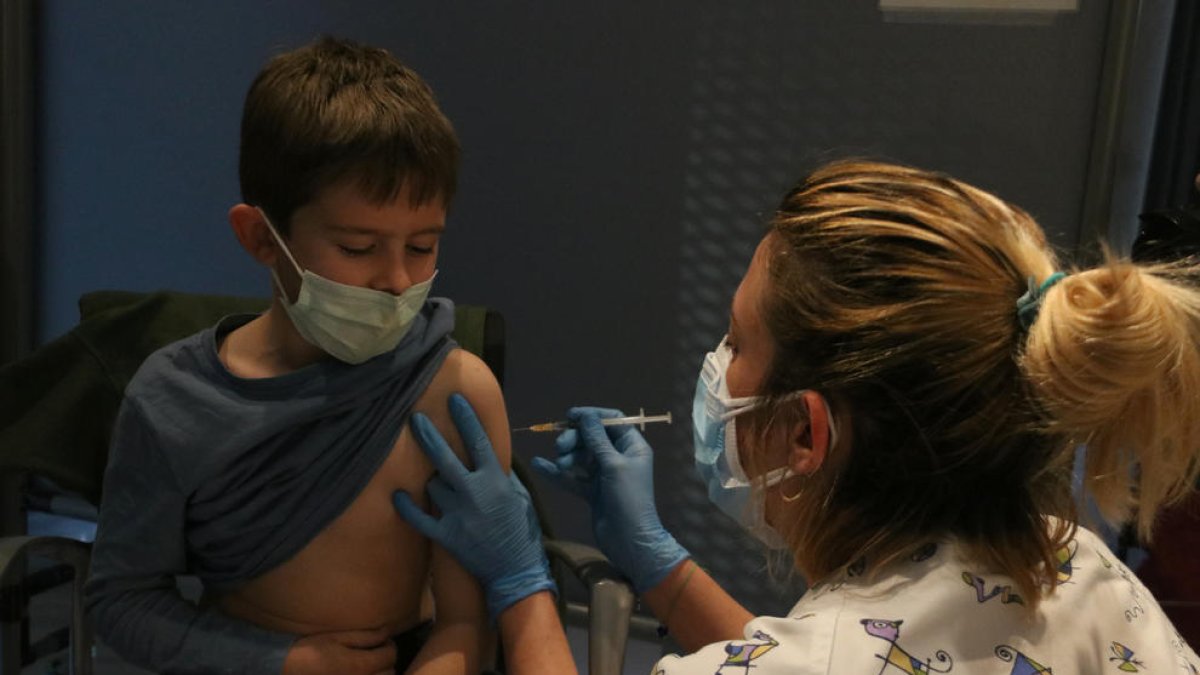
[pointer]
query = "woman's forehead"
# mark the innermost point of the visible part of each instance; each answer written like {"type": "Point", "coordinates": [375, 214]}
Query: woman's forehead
{"type": "Point", "coordinates": [748, 299]}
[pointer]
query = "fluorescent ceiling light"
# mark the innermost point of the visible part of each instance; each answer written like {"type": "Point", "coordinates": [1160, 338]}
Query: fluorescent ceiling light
{"type": "Point", "coordinates": [980, 5]}
{"type": "Point", "coordinates": [995, 12]}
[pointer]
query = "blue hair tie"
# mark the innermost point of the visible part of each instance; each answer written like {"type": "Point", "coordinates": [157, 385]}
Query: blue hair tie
{"type": "Point", "coordinates": [1030, 304]}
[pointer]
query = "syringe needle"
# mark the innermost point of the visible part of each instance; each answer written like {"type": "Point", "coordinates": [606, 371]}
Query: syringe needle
{"type": "Point", "coordinates": [545, 426]}
{"type": "Point", "coordinates": [641, 419]}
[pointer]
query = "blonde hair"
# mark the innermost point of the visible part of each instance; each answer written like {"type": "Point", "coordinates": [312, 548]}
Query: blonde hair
{"type": "Point", "coordinates": [893, 291]}
{"type": "Point", "coordinates": [1115, 362]}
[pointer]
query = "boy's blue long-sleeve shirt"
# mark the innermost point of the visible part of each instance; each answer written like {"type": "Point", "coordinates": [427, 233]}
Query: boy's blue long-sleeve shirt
{"type": "Point", "coordinates": [225, 478]}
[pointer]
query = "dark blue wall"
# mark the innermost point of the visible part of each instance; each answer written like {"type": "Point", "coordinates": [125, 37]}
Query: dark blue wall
{"type": "Point", "coordinates": [618, 159]}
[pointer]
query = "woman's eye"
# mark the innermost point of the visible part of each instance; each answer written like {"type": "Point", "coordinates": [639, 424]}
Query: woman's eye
{"type": "Point", "coordinates": [351, 251]}
{"type": "Point", "coordinates": [421, 250]}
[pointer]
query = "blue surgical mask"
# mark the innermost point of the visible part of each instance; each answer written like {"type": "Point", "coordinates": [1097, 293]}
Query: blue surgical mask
{"type": "Point", "coordinates": [716, 449]}
{"type": "Point", "coordinates": [350, 323]}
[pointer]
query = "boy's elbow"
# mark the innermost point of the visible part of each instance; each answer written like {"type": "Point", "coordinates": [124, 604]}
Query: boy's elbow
{"type": "Point", "coordinates": [115, 607]}
{"type": "Point", "coordinates": [107, 615]}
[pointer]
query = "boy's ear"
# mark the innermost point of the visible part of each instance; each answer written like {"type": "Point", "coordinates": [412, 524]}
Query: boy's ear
{"type": "Point", "coordinates": [251, 231]}
{"type": "Point", "coordinates": [809, 440]}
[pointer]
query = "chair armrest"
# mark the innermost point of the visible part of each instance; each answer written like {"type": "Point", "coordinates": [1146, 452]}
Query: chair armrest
{"type": "Point", "coordinates": [610, 603]}
{"type": "Point", "coordinates": [14, 550]}
{"type": "Point", "coordinates": [14, 553]}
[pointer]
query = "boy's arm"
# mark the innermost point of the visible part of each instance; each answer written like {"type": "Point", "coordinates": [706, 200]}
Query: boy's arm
{"type": "Point", "coordinates": [131, 593]}
{"type": "Point", "coordinates": [461, 628]}
{"type": "Point", "coordinates": [460, 631]}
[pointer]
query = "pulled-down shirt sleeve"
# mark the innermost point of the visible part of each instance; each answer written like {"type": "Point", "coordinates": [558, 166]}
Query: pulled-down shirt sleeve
{"type": "Point", "coordinates": [140, 547]}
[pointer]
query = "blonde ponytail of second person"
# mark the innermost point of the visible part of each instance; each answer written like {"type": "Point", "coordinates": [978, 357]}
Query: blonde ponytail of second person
{"type": "Point", "coordinates": [1114, 363]}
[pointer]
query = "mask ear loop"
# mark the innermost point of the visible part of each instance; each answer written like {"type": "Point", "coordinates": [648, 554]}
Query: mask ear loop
{"type": "Point", "coordinates": [279, 240]}
{"type": "Point", "coordinates": [743, 407]}
{"type": "Point", "coordinates": [833, 438]}
{"type": "Point", "coordinates": [286, 251]}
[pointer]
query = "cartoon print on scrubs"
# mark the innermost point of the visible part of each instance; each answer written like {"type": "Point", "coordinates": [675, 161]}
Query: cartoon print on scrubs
{"type": "Point", "coordinates": [897, 656]}
{"type": "Point", "coordinates": [925, 552]}
{"type": "Point", "coordinates": [1124, 657]}
{"type": "Point", "coordinates": [854, 569]}
{"type": "Point", "coordinates": [1135, 593]}
{"type": "Point", "coordinates": [1022, 665]}
{"type": "Point", "coordinates": [1007, 596]}
{"type": "Point", "coordinates": [1178, 645]}
{"type": "Point", "coordinates": [1066, 557]}
{"type": "Point", "coordinates": [741, 655]}
{"type": "Point", "coordinates": [1136, 609]}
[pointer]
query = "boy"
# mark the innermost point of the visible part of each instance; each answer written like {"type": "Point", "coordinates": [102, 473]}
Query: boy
{"type": "Point", "coordinates": [261, 455]}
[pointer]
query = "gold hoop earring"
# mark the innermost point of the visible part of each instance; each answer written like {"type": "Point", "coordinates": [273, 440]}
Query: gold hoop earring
{"type": "Point", "coordinates": [792, 497]}
{"type": "Point", "coordinates": [796, 495]}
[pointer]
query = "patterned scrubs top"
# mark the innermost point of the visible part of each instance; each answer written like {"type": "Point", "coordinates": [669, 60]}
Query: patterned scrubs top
{"type": "Point", "coordinates": [935, 613]}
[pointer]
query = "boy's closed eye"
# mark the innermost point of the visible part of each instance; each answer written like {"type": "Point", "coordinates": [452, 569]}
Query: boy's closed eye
{"type": "Point", "coordinates": [354, 251]}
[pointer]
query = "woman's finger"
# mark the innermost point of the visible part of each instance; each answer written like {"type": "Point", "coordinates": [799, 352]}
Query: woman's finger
{"type": "Point", "coordinates": [437, 450]}
{"type": "Point", "coordinates": [422, 522]}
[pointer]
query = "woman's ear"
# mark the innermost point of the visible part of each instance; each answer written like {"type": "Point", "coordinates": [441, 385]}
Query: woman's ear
{"type": "Point", "coordinates": [809, 440]}
{"type": "Point", "coordinates": [250, 228]}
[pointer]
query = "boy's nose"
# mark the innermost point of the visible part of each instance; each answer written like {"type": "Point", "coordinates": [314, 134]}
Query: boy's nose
{"type": "Point", "coordinates": [392, 278]}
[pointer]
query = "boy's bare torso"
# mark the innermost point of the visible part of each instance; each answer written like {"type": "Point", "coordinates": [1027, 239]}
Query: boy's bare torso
{"type": "Point", "coordinates": [367, 569]}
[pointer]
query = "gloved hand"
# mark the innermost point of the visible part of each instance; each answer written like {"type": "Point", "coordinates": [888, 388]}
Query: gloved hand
{"type": "Point", "coordinates": [488, 523]}
{"type": "Point", "coordinates": [613, 469]}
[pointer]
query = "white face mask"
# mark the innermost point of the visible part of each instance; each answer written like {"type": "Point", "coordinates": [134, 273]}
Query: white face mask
{"type": "Point", "coordinates": [716, 450]}
{"type": "Point", "coordinates": [350, 323]}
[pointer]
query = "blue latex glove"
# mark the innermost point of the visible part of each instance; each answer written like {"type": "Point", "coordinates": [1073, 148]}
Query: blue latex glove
{"type": "Point", "coordinates": [613, 469]}
{"type": "Point", "coordinates": [488, 522]}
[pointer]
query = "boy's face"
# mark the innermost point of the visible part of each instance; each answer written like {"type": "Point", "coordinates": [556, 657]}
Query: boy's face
{"type": "Point", "coordinates": [343, 237]}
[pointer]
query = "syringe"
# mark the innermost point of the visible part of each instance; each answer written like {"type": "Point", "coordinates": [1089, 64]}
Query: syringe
{"type": "Point", "coordinates": [641, 419]}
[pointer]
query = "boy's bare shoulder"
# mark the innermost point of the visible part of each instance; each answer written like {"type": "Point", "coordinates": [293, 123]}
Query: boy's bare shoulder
{"type": "Point", "coordinates": [465, 373]}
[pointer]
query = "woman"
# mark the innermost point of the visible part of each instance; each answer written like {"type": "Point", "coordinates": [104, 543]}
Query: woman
{"type": "Point", "coordinates": [906, 377]}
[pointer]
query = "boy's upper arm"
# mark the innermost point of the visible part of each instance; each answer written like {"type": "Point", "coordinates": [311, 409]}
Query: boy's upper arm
{"type": "Point", "coordinates": [467, 374]}
{"type": "Point", "coordinates": [456, 593]}
{"type": "Point", "coordinates": [461, 630]}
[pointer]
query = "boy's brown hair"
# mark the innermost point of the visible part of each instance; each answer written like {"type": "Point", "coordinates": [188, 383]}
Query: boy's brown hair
{"type": "Point", "coordinates": [337, 111]}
